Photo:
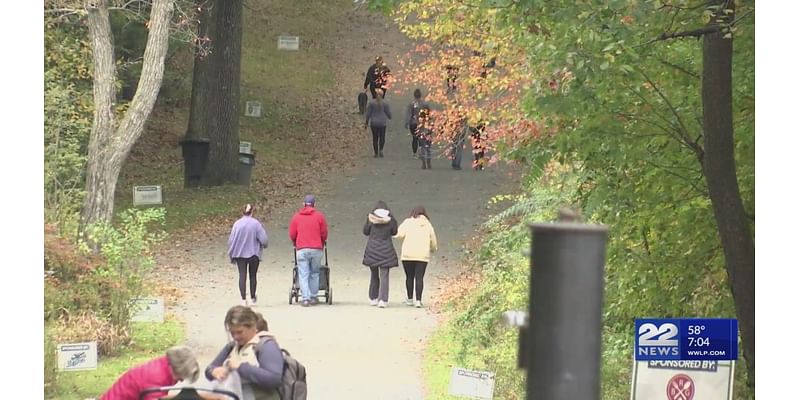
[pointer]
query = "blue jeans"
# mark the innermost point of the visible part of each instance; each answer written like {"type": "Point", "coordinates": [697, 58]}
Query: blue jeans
{"type": "Point", "coordinates": [308, 263]}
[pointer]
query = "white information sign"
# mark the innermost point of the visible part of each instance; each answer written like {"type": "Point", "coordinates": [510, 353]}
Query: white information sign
{"type": "Point", "coordinates": [252, 109]}
{"type": "Point", "coordinates": [246, 147]}
{"type": "Point", "coordinates": [472, 384]}
{"type": "Point", "coordinates": [148, 309]}
{"type": "Point", "coordinates": [146, 195]}
{"type": "Point", "coordinates": [77, 356]}
{"type": "Point", "coordinates": [288, 42]}
{"type": "Point", "coordinates": [682, 380]}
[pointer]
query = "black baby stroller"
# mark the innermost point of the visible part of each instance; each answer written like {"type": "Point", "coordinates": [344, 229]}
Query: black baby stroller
{"type": "Point", "coordinates": [325, 289]}
{"type": "Point", "coordinates": [188, 392]}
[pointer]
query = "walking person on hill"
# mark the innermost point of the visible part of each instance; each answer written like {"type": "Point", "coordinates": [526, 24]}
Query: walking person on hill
{"type": "Point", "coordinates": [379, 255]}
{"type": "Point", "coordinates": [246, 243]}
{"type": "Point", "coordinates": [412, 119]}
{"type": "Point", "coordinates": [378, 114]}
{"type": "Point", "coordinates": [308, 231]}
{"type": "Point", "coordinates": [424, 135]}
{"type": "Point", "coordinates": [419, 241]}
{"type": "Point", "coordinates": [457, 143]}
{"type": "Point", "coordinates": [479, 145]}
{"type": "Point", "coordinates": [253, 354]}
{"type": "Point", "coordinates": [377, 77]}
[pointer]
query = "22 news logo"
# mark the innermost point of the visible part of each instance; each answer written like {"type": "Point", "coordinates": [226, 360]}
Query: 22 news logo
{"type": "Point", "coordinates": [657, 341]}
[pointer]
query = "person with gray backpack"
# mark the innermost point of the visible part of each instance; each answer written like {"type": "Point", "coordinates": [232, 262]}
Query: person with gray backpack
{"type": "Point", "coordinates": [412, 119]}
{"type": "Point", "coordinates": [266, 371]}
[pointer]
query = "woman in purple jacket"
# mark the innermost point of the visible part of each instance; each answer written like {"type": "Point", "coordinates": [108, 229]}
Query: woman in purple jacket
{"type": "Point", "coordinates": [246, 243]}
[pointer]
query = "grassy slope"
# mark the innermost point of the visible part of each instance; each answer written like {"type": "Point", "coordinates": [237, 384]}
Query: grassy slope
{"type": "Point", "coordinates": [283, 81]}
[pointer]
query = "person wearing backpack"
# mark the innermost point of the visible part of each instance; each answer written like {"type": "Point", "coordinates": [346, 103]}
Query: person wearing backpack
{"type": "Point", "coordinates": [424, 135]}
{"type": "Point", "coordinates": [412, 119]}
{"type": "Point", "coordinates": [253, 354]}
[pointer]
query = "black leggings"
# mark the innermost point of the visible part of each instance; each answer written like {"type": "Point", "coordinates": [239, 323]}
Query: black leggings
{"type": "Point", "coordinates": [415, 271]}
{"type": "Point", "coordinates": [247, 266]}
{"type": "Point", "coordinates": [414, 138]}
{"type": "Point", "coordinates": [378, 138]}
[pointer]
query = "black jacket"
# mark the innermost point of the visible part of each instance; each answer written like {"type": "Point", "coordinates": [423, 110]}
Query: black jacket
{"type": "Point", "coordinates": [380, 249]}
{"type": "Point", "coordinates": [376, 77]}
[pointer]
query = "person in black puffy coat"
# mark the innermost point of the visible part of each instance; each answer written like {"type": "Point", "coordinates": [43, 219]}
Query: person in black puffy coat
{"type": "Point", "coordinates": [380, 255]}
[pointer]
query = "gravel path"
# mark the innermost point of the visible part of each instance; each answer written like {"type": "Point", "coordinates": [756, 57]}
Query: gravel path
{"type": "Point", "coordinates": [351, 350]}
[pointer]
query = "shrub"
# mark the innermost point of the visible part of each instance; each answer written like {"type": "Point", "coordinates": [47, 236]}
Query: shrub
{"type": "Point", "coordinates": [128, 255]}
{"type": "Point", "coordinates": [89, 327]}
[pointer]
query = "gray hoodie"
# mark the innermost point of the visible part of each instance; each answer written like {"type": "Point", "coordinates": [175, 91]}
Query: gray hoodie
{"type": "Point", "coordinates": [378, 114]}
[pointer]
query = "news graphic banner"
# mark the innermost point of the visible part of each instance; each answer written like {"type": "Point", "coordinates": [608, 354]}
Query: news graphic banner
{"type": "Point", "coordinates": [686, 339]}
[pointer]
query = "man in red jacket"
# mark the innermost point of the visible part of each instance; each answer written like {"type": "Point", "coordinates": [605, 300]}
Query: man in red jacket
{"type": "Point", "coordinates": [308, 230]}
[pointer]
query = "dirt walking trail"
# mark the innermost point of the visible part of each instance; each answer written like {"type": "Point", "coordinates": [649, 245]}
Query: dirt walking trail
{"type": "Point", "coordinates": [351, 350]}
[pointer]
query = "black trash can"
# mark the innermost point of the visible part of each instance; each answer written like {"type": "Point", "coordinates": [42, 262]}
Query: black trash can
{"type": "Point", "coordinates": [246, 163]}
{"type": "Point", "coordinates": [195, 158]}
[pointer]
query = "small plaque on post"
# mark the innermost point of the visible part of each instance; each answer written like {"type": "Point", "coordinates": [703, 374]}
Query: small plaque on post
{"type": "Point", "coordinates": [252, 109]}
{"type": "Point", "coordinates": [148, 309]}
{"type": "Point", "coordinates": [147, 195]}
{"type": "Point", "coordinates": [288, 42]}
{"type": "Point", "coordinates": [77, 356]}
{"type": "Point", "coordinates": [245, 147]}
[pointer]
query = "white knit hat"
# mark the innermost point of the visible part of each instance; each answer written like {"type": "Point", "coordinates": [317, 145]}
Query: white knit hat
{"type": "Point", "coordinates": [381, 213]}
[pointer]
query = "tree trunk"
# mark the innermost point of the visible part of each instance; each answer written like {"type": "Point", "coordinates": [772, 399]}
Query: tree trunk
{"type": "Point", "coordinates": [223, 162]}
{"type": "Point", "coordinates": [204, 84]}
{"type": "Point", "coordinates": [203, 77]}
{"type": "Point", "coordinates": [99, 201]}
{"type": "Point", "coordinates": [719, 168]}
{"type": "Point", "coordinates": [109, 145]}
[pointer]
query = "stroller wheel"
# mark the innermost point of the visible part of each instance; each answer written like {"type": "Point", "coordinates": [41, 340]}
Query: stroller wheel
{"type": "Point", "coordinates": [329, 297]}
{"type": "Point", "coordinates": [291, 297]}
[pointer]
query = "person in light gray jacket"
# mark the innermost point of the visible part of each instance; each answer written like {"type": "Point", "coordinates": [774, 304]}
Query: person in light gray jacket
{"type": "Point", "coordinates": [378, 114]}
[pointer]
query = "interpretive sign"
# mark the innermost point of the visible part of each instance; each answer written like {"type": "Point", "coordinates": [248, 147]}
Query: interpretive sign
{"type": "Point", "coordinates": [472, 384]}
{"type": "Point", "coordinates": [148, 309]}
{"type": "Point", "coordinates": [77, 356]}
{"type": "Point", "coordinates": [252, 109]}
{"type": "Point", "coordinates": [147, 195]}
{"type": "Point", "coordinates": [245, 147]}
{"type": "Point", "coordinates": [288, 42]}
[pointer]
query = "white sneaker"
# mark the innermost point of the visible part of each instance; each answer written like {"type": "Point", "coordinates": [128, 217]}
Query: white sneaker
{"type": "Point", "coordinates": [381, 304]}
{"type": "Point", "coordinates": [373, 302]}
{"type": "Point", "coordinates": [244, 302]}
{"type": "Point", "coordinates": [418, 304]}
{"type": "Point", "coordinates": [410, 302]}
{"type": "Point", "coordinates": [252, 302]}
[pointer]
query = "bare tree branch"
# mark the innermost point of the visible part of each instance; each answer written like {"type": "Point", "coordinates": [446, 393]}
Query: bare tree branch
{"type": "Point", "coordinates": [679, 68]}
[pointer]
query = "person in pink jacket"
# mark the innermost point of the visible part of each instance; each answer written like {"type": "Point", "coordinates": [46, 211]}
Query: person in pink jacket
{"type": "Point", "coordinates": [179, 364]}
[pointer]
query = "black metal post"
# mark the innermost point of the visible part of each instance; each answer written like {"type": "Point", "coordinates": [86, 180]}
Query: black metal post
{"type": "Point", "coordinates": [565, 311]}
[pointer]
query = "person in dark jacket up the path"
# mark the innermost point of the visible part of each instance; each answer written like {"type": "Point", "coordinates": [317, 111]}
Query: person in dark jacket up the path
{"type": "Point", "coordinates": [379, 255]}
{"type": "Point", "coordinates": [377, 78]}
{"type": "Point", "coordinates": [412, 119]}
{"type": "Point", "coordinates": [378, 115]}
